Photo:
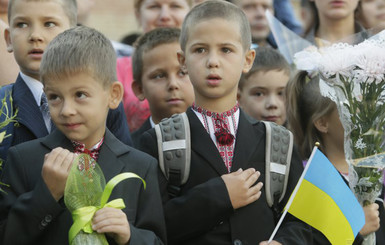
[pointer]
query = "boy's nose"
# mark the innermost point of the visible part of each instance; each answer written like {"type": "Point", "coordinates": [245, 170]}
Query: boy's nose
{"type": "Point", "coordinates": [164, 13]}
{"type": "Point", "coordinates": [67, 109]}
{"type": "Point", "coordinates": [35, 35]}
{"type": "Point", "coordinates": [272, 102]}
{"type": "Point", "coordinates": [173, 83]}
{"type": "Point", "coordinates": [212, 61]}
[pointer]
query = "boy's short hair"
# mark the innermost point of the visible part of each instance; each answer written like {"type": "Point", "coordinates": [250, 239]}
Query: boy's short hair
{"type": "Point", "coordinates": [79, 49]}
{"type": "Point", "coordinates": [149, 41]}
{"type": "Point", "coordinates": [266, 59]}
{"type": "Point", "coordinates": [216, 9]}
{"type": "Point", "coordinates": [69, 6]}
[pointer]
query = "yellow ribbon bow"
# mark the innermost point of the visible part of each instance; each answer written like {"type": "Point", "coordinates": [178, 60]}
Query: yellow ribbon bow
{"type": "Point", "coordinates": [83, 216]}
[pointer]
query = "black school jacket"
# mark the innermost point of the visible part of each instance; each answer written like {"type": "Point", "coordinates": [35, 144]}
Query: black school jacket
{"type": "Point", "coordinates": [30, 215]}
{"type": "Point", "coordinates": [203, 213]}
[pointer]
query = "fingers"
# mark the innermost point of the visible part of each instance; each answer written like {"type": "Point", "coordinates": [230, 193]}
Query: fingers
{"type": "Point", "coordinates": [56, 167]}
{"type": "Point", "coordinates": [113, 221]}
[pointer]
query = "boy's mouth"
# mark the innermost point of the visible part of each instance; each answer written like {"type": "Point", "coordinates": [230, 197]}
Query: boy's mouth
{"type": "Point", "coordinates": [36, 53]}
{"type": "Point", "coordinates": [213, 79]}
{"type": "Point", "coordinates": [174, 101]}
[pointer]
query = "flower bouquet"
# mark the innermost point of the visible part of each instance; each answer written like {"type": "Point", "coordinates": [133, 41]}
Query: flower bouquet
{"type": "Point", "coordinates": [7, 116]}
{"type": "Point", "coordinates": [353, 77]}
{"type": "Point", "coordinates": [84, 194]}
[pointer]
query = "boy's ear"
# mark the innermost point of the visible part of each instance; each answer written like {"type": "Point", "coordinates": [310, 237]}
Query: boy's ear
{"type": "Point", "coordinates": [138, 90]}
{"type": "Point", "coordinates": [322, 125]}
{"type": "Point", "coordinates": [116, 94]}
{"type": "Point", "coordinates": [182, 60]}
{"type": "Point", "coordinates": [7, 38]}
{"type": "Point", "coordinates": [238, 94]}
{"type": "Point", "coordinates": [249, 60]}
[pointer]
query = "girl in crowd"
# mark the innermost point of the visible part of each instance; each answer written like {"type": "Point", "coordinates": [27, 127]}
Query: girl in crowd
{"type": "Point", "coordinates": [314, 118]}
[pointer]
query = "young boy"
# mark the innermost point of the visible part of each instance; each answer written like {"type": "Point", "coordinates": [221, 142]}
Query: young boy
{"type": "Point", "coordinates": [158, 77]}
{"type": "Point", "coordinates": [32, 25]}
{"type": "Point", "coordinates": [261, 91]}
{"type": "Point", "coordinates": [79, 77]}
{"type": "Point", "coordinates": [221, 202]}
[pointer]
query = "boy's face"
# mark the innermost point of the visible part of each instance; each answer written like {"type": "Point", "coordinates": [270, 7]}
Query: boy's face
{"type": "Point", "coordinates": [167, 89]}
{"type": "Point", "coordinates": [32, 26]}
{"type": "Point", "coordinates": [215, 60]}
{"type": "Point", "coordinates": [262, 96]}
{"type": "Point", "coordinates": [79, 105]}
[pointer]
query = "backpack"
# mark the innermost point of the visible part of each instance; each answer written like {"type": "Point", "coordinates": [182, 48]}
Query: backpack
{"type": "Point", "coordinates": [7, 113]}
{"type": "Point", "coordinates": [174, 149]}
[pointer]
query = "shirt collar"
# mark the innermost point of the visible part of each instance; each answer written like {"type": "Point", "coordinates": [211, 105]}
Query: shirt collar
{"type": "Point", "coordinates": [35, 86]}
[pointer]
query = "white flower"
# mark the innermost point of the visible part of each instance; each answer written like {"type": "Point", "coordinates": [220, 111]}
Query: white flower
{"type": "Point", "coordinates": [308, 59]}
{"type": "Point", "coordinates": [360, 144]}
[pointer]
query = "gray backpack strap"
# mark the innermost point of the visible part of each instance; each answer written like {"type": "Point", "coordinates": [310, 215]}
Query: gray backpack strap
{"type": "Point", "coordinates": [279, 148]}
{"type": "Point", "coordinates": [174, 149]}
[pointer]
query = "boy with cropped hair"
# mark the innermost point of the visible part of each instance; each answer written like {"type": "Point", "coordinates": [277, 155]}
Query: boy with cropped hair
{"type": "Point", "coordinates": [79, 77]}
{"type": "Point", "coordinates": [32, 25]}
{"type": "Point", "coordinates": [221, 202]}
{"type": "Point", "coordinates": [159, 78]}
{"type": "Point", "coordinates": [261, 91]}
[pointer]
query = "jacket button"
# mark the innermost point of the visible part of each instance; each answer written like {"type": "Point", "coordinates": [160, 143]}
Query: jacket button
{"type": "Point", "coordinates": [43, 223]}
{"type": "Point", "coordinates": [237, 242]}
{"type": "Point", "coordinates": [48, 218]}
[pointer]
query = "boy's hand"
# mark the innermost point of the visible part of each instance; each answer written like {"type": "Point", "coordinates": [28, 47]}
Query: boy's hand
{"type": "Point", "coordinates": [271, 243]}
{"type": "Point", "coordinates": [113, 222]}
{"type": "Point", "coordinates": [372, 220]}
{"type": "Point", "coordinates": [56, 167]}
{"type": "Point", "coordinates": [239, 185]}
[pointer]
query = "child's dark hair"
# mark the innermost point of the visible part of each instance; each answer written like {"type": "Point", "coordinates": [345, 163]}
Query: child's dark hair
{"type": "Point", "coordinates": [266, 59]}
{"type": "Point", "coordinates": [305, 105]}
{"type": "Point", "coordinates": [149, 41]}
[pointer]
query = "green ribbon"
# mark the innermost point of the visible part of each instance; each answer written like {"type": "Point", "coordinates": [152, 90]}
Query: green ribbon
{"type": "Point", "coordinates": [82, 217]}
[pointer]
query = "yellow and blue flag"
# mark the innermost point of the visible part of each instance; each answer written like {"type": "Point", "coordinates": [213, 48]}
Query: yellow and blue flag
{"type": "Point", "coordinates": [323, 200]}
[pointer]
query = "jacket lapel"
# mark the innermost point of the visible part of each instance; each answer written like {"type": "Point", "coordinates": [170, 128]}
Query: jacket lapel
{"type": "Point", "coordinates": [202, 144]}
{"type": "Point", "coordinates": [247, 140]}
{"type": "Point", "coordinates": [29, 113]}
{"type": "Point", "coordinates": [109, 156]}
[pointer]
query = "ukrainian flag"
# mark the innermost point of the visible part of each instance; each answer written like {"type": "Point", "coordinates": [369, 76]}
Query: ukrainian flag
{"type": "Point", "coordinates": [323, 200]}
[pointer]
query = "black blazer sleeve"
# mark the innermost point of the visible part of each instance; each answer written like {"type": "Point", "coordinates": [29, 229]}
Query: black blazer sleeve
{"type": "Point", "coordinates": [24, 207]}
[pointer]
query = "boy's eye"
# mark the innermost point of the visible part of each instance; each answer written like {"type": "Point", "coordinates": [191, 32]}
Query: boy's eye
{"type": "Point", "coordinates": [21, 25]}
{"type": "Point", "coordinates": [52, 97]}
{"type": "Point", "coordinates": [182, 73]}
{"type": "Point", "coordinates": [158, 76]}
{"type": "Point", "coordinates": [80, 95]}
{"type": "Point", "coordinates": [226, 50]}
{"type": "Point", "coordinates": [258, 94]}
{"type": "Point", "coordinates": [49, 24]}
{"type": "Point", "coordinates": [200, 50]}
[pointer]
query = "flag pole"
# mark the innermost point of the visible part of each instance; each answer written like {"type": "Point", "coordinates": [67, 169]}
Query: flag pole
{"type": "Point", "coordinates": [293, 194]}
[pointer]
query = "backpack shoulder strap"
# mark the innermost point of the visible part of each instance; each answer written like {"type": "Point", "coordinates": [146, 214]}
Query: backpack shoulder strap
{"type": "Point", "coordinates": [279, 148]}
{"type": "Point", "coordinates": [174, 149]}
{"type": "Point", "coordinates": [6, 119]}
